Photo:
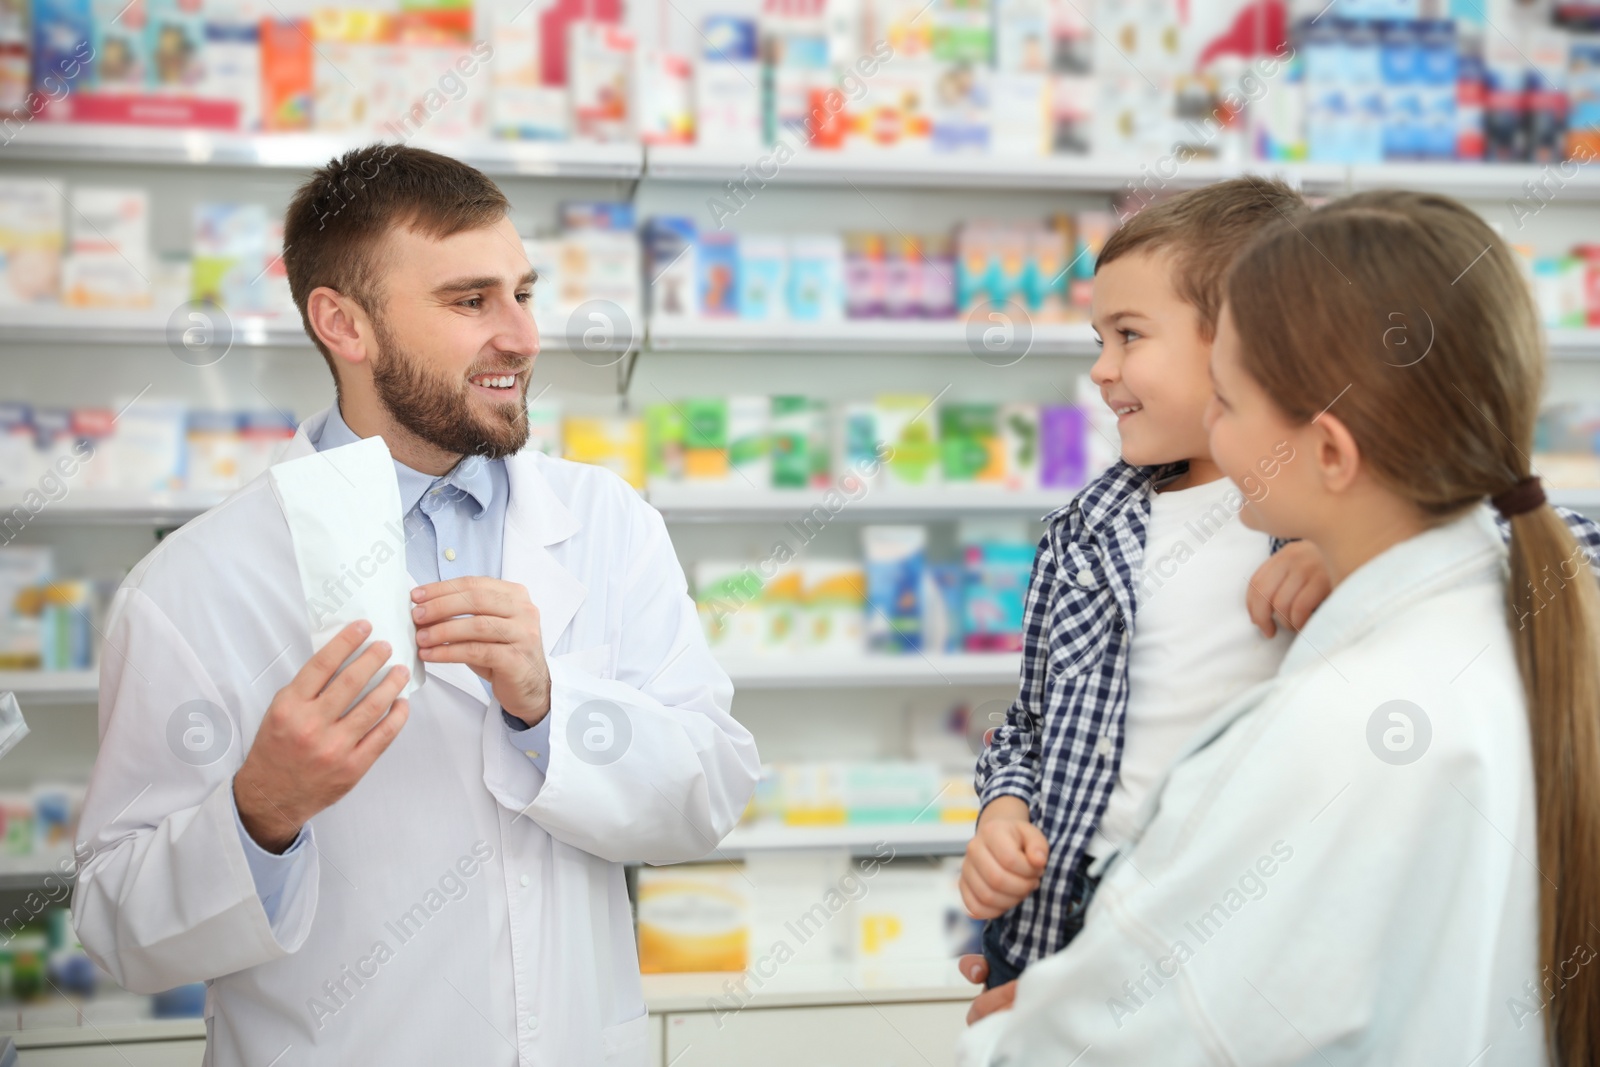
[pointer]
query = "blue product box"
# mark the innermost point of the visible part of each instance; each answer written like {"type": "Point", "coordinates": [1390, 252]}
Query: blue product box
{"type": "Point", "coordinates": [1438, 89]}
{"type": "Point", "coordinates": [1327, 94]}
{"type": "Point", "coordinates": [729, 38]}
{"type": "Point", "coordinates": [1363, 62]}
{"type": "Point", "coordinates": [597, 215]}
{"type": "Point", "coordinates": [62, 35]}
{"type": "Point", "coordinates": [1400, 46]}
{"type": "Point", "coordinates": [719, 275]}
{"type": "Point", "coordinates": [896, 563]}
{"type": "Point", "coordinates": [763, 278]}
{"type": "Point", "coordinates": [997, 575]}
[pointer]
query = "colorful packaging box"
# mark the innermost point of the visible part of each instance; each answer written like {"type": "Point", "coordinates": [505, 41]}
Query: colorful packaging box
{"type": "Point", "coordinates": [895, 561]}
{"type": "Point", "coordinates": [692, 918]}
{"type": "Point", "coordinates": [31, 239]}
{"type": "Point", "coordinates": [763, 278]}
{"type": "Point", "coordinates": [791, 442]}
{"type": "Point", "coordinates": [909, 425]}
{"type": "Point", "coordinates": [108, 259]}
{"type": "Point", "coordinates": [718, 264]}
{"type": "Point", "coordinates": [705, 455]}
{"type": "Point", "coordinates": [835, 597]}
{"type": "Point", "coordinates": [970, 445]}
{"type": "Point", "coordinates": [749, 449]}
{"type": "Point", "coordinates": [614, 443]}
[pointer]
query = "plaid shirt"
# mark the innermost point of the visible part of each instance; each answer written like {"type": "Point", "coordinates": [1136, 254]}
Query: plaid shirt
{"type": "Point", "coordinates": [1061, 744]}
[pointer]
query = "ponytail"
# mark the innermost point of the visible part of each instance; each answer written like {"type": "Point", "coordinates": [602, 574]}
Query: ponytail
{"type": "Point", "coordinates": [1555, 621]}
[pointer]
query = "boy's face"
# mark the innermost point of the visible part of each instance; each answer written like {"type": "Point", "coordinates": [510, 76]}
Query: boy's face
{"type": "Point", "coordinates": [1153, 366]}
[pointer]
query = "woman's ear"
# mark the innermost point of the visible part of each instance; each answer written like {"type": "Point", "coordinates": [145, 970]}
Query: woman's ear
{"type": "Point", "coordinates": [339, 323]}
{"type": "Point", "coordinates": [1335, 452]}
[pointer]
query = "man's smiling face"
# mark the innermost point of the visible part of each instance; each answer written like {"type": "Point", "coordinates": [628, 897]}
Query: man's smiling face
{"type": "Point", "coordinates": [456, 338]}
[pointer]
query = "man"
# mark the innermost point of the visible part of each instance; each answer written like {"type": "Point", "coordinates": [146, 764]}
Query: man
{"type": "Point", "coordinates": [436, 880]}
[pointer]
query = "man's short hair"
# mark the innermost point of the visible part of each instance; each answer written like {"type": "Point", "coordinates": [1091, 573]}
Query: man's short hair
{"type": "Point", "coordinates": [1204, 230]}
{"type": "Point", "coordinates": [338, 218]}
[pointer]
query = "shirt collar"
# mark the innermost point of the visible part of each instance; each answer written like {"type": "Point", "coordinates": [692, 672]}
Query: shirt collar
{"type": "Point", "coordinates": [472, 476]}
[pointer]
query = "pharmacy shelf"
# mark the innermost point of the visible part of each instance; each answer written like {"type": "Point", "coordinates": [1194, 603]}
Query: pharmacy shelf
{"type": "Point", "coordinates": [51, 687]}
{"type": "Point", "coordinates": [911, 669]}
{"type": "Point", "coordinates": [916, 839]}
{"type": "Point", "coordinates": [107, 507]}
{"type": "Point", "coordinates": [677, 504]}
{"type": "Point", "coordinates": [84, 143]}
{"type": "Point", "coordinates": [57, 325]}
{"type": "Point", "coordinates": [953, 170]}
{"type": "Point", "coordinates": [1089, 174]}
{"type": "Point", "coordinates": [776, 672]}
{"type": "Point", "coordinates": [1477, 181]}
{"type": "Point", "coordinates": [738, 502]}
{"type": "Point", "coordinates": [30, 872]}
{"type": "Point", "coordinates": [878, 336]}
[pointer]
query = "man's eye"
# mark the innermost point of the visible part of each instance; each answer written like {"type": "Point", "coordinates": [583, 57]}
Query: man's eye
{"type": "Point", "coordinates": [473, 302]}
{"type": "Point", "coordinates": [524, 297]}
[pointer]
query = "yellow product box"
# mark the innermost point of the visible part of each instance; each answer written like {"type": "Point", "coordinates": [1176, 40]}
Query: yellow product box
{"type": "Point", "coordinates": [813, 794]}
{"type": "Point", "coordinates": [693, 917]}
{"type": "Point", "coordinates": [614, 443]}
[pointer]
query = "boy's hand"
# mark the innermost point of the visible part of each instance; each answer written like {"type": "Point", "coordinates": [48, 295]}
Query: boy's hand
{"type": "Point", "coordinates": [1005, 859]}
{"type": "Point", "coordinates": [1288, 586]}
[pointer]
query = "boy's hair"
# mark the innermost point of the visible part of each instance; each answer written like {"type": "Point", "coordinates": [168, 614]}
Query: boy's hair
{"type": "Point", "coordinates": [1204, 230]}
{"type": "Point", "coordinates": [340, 215]}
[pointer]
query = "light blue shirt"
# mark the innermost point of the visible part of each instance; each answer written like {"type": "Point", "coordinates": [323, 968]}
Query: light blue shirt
{"type": "Point", "coordinates": [465, 512]}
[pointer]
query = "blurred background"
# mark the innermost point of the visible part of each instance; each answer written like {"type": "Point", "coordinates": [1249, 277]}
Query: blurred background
{"type": "Point", "coordinates": [772, 235]}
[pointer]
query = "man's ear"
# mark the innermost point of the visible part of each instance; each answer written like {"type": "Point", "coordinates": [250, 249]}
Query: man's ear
{"type": "Point", "coordinates": [1335, 452]}
{"type": "Point", "coordinates": [340, 324]}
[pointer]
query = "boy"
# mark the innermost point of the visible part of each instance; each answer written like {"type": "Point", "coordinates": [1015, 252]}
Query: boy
{"type": "Point", "coordinates": [1105, 705]}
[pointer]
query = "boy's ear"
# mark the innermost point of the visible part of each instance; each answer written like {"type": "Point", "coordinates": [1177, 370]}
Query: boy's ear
{"type": "Point", "coordinates": [1334, 449]}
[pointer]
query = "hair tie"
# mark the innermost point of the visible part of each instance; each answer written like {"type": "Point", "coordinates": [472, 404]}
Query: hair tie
{"type": "Point", "coordinates": [1520, 499]}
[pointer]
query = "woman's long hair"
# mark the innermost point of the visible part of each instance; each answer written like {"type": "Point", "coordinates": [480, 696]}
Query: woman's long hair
{"type": "Point", "coordinates": [1410, 310]}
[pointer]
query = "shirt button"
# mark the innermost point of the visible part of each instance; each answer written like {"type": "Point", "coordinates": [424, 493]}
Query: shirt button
{"type": "Point", "coordinates": [450, 553]}
{"type": "Point", "coordinates": [524, 879]}
{"type": "Point", "coordinates": [1103, 746]}
{"type": "Point", "coordinates": [531, 755]}
{"type": "Point", "coordinates": [533, 1022]}
{"type": "Point", "coordinates": [1085, 577]}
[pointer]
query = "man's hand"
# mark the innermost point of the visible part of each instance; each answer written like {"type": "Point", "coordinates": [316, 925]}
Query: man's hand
{"type": "Point", "coordinates": [492, 627]}
{"type": "Point", "coordinates": [308, 753]}
{"type": "Point", "coordinates": [975, 969]}
{"type": "Point", "coordinates": [1289, 585]}
{"type": "Point", "coordinates": [1005, 859]}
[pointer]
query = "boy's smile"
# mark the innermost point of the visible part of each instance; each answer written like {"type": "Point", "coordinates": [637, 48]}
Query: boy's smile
{"type": "Point", "coordinates": [1153, 366]}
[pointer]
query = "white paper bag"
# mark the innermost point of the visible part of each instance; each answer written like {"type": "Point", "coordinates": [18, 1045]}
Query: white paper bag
{"type": "Point", "coordinates": [343, 507]}
{"type": "Point", "coordinates": [12, 728]}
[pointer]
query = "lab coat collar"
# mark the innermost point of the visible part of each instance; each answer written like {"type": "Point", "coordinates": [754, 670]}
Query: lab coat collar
{"type": "Point", "coordinates": [1419, 567]}
{"type": "Point", "coordinates": [536, 518]}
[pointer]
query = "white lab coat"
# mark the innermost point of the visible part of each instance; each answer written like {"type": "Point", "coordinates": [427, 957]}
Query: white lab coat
{"type": "Point", "coordinates": [519, 949]}
{"type": "Point", "coordinates": [1290, 897]}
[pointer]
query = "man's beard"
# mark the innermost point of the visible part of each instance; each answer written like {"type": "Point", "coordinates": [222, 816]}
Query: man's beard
{"type": "Point", "coordinates": [438, 410]}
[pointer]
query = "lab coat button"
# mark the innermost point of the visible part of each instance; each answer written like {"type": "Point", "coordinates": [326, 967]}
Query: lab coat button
{"type": "Point", "coordinates": [524, 879]}
{"type": "Point", "coordinates": [533, 1022]}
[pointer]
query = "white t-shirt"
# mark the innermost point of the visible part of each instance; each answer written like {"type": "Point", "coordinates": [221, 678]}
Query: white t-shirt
{"type": "Point", "coordinates": [1194, 646]}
